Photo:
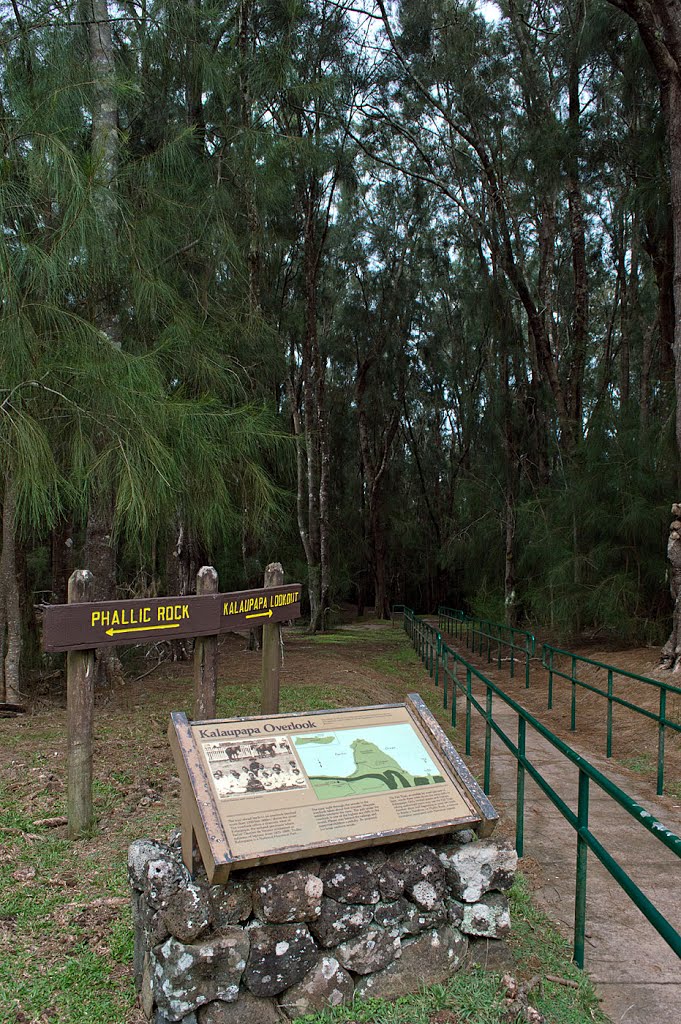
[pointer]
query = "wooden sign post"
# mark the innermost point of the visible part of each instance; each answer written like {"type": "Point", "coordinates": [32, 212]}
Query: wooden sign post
{"type": "Point", "coordinates": [83, 625]}
{"type": "Point", "coordinates": [206, 653]}
{"type": "Point", "coordinates": [271, 649]}
{"type": "Point", "coordinates": [80, 701]}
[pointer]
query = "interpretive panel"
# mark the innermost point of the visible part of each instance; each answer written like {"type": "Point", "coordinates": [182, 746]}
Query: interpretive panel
{"type": "Point", "coordinates": [266, 788]}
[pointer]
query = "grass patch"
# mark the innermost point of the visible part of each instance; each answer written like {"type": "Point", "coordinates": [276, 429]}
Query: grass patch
{"type": "Point", "coordinates": [640, 763]}
{"type": "Point", "coordinates": [539, 948]}
{"type": "Point", "coordinates": [673, 789]}
{"type": "Point", "coordinates": [244, 699]}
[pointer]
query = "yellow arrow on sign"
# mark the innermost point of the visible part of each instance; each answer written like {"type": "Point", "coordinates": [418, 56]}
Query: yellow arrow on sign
{"type": "Point", "coordinates": [141, 629]}
{"type": "Point", "coordinates": [260, 615]}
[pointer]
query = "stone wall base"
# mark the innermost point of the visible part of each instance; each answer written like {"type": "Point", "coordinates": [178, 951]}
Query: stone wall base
{"type": "Point", "coordinates": [281, 941]}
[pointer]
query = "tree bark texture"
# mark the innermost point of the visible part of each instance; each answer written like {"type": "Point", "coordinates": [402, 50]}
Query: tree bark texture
{"type": "Point", "coordinates": [375, 453]}
{"type": "Point", "coordinates": [205, 654]}
{"type": "Point", "coordinates": [80, 703]}
{"type": "Point", "coordinates": [100, 559]}
{"type": "Point", "coordinates": [670, 656]}
{"type": "Point", "coordinates": [271, 649]}
{"type": "Point", "coordinates": [659, 23]}
{"type": "Point", "coordinates": [9, 589]}
{"type": "Point", "coordinates": [306, 389]}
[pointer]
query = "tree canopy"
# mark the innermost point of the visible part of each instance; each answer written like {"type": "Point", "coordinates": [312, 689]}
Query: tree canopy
{"type": "Point", "coordinates": [382, 291]}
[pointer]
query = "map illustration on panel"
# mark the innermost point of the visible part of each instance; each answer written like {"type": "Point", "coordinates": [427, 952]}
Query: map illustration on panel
{"type": "Point", "coordinates": [355, 762]}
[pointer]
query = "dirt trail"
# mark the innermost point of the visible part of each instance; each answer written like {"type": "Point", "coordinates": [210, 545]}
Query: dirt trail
{"type": "Point", "coordinates": [637, 973]}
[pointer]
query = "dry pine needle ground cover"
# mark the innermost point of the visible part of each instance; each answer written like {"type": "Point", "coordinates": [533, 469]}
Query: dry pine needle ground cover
{"type": "Point", "coordinates": [65, 930]}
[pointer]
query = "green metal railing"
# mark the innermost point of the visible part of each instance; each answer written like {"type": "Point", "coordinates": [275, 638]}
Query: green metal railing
{"type": "Point", "coordinates": [660, 716]}
{"type": "Point", "coordinates": [479, 634]}
{"type": "Point", "coordinates": [457, 675]}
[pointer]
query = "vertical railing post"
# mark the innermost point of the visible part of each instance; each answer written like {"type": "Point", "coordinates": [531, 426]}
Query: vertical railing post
{"type": "Point", "coordinates": [527, 663]}
{"type": "Point", "coordinates": [488, 742]}
{"type": "Point", "coordinates": [573, 702]}
{"type": "Point", "coordinates": [550, 704]}
{"type": "Point", "coordinates": [499, 648]}
{"type": "Point", "coordinates": [608, 737]}
{"type": "Point", "coordinates": [445, 677]}
{"type": "Point", "coordinates": [582, 851]}
{"type": "Point", "coordinates": [520, 791]}
{"type": "Point", "coordinates": [512, 646]}
{"type": "Point", "coordinates": [438, 654]}
{"type": "Point", "coordinates": [455, 689]}
{"type": "Point", "coordinates": [660, 741]}
{"type": "Point", "coordinates": [468, 711]}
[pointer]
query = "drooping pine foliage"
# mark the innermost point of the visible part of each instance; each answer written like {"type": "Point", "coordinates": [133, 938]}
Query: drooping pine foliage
{"type": "Point", "coordinates": [432, 248]}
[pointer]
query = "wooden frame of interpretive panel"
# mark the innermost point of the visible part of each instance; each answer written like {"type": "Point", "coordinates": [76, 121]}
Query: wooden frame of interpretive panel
{"type": "Point", "coordinates": [270, 788]}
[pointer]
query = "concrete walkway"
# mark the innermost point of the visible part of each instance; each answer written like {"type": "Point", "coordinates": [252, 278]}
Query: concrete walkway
{"type": "Point", "coordinates": [635, 971]}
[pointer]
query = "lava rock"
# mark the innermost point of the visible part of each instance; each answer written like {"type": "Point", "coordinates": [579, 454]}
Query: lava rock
{"type": "Point", "coordinates": [390, 883]}
{"type": "Point", "coordinates": [164, 876]}
{"type": "Point", "coordinates": [477, 868]}
{"type": "Point", "coordinates": [402, 918]}
{"type": "Point", "coordinates": [431, 959]}
{"type": "Point", "coordinates": [185, 977]}
{"type": "Point", "coordinates": [327, 984]}
{"type": "Point", "coordinates": [188, 913]}
{"type": "Point", "coordinates": [231, 903]}
{"type": "Point", "coordinates": [339, 921]}
{"type": "Point", "coordinates": [369, 952]}
{"type": "Point", "coordinates": [162, 1018]}
{"type": "Point", "coordinates": [292, 896]}
{"type": "Point", "coordinates": [350, 880]}
{"type": "Point", "coordinates": [248, 1009]}
{"type": "Point", "coordinates": [492, 954]}
{"type": "Point", "coordinates": [423, 874]}
{"type": "Point", "coordinates": [280, 956]}
{"type": "Point", "coordinates": [489, 917]}
{"type": "Point", "coordinates": [140, 853]}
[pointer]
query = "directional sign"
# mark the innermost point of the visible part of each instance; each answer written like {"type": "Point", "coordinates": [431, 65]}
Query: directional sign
{"type": "Point", "coordinates": [80, 627]}
{"type": "Point", "coordinates": [254, 607]}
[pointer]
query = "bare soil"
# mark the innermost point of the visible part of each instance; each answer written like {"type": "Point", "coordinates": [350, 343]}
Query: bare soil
{"type": "Point", "coordinates": [634, 737]}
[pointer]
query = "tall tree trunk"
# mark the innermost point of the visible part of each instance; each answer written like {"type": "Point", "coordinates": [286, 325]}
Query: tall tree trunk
{"type": "Point", "coordinates": [61, 550]}
{"type": "Point", "coordinates": [379, 547]}
{"type": "Point", "coordinates": [10, 590]}
{"type": "Point", "coordinates": [375, 462]}
{"type": "Point", "coordinates": [99, 550]}
{"type": "Point", "coordinates": [100, 559]}
{"type": "Point", "coordinates": [580, 316]}
{"type": "Point", "coordinates": [659, 23]}
{"type": "Point", "coordinates": [104, 143]}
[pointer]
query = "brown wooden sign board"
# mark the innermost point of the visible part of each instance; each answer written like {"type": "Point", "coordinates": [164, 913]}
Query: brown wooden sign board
{"type": "Point", "coordinates": [265, 789]}
{"type": "Point", "coordinates": [81, 627]}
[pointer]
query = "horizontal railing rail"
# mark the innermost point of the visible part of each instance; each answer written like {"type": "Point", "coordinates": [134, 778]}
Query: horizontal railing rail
{"type": "Point", "coordinates": [480, 633]}
{"type": "Point", "coordinates": [664, 722]}
{"type": "Point", "coordinates": [446, 665]}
